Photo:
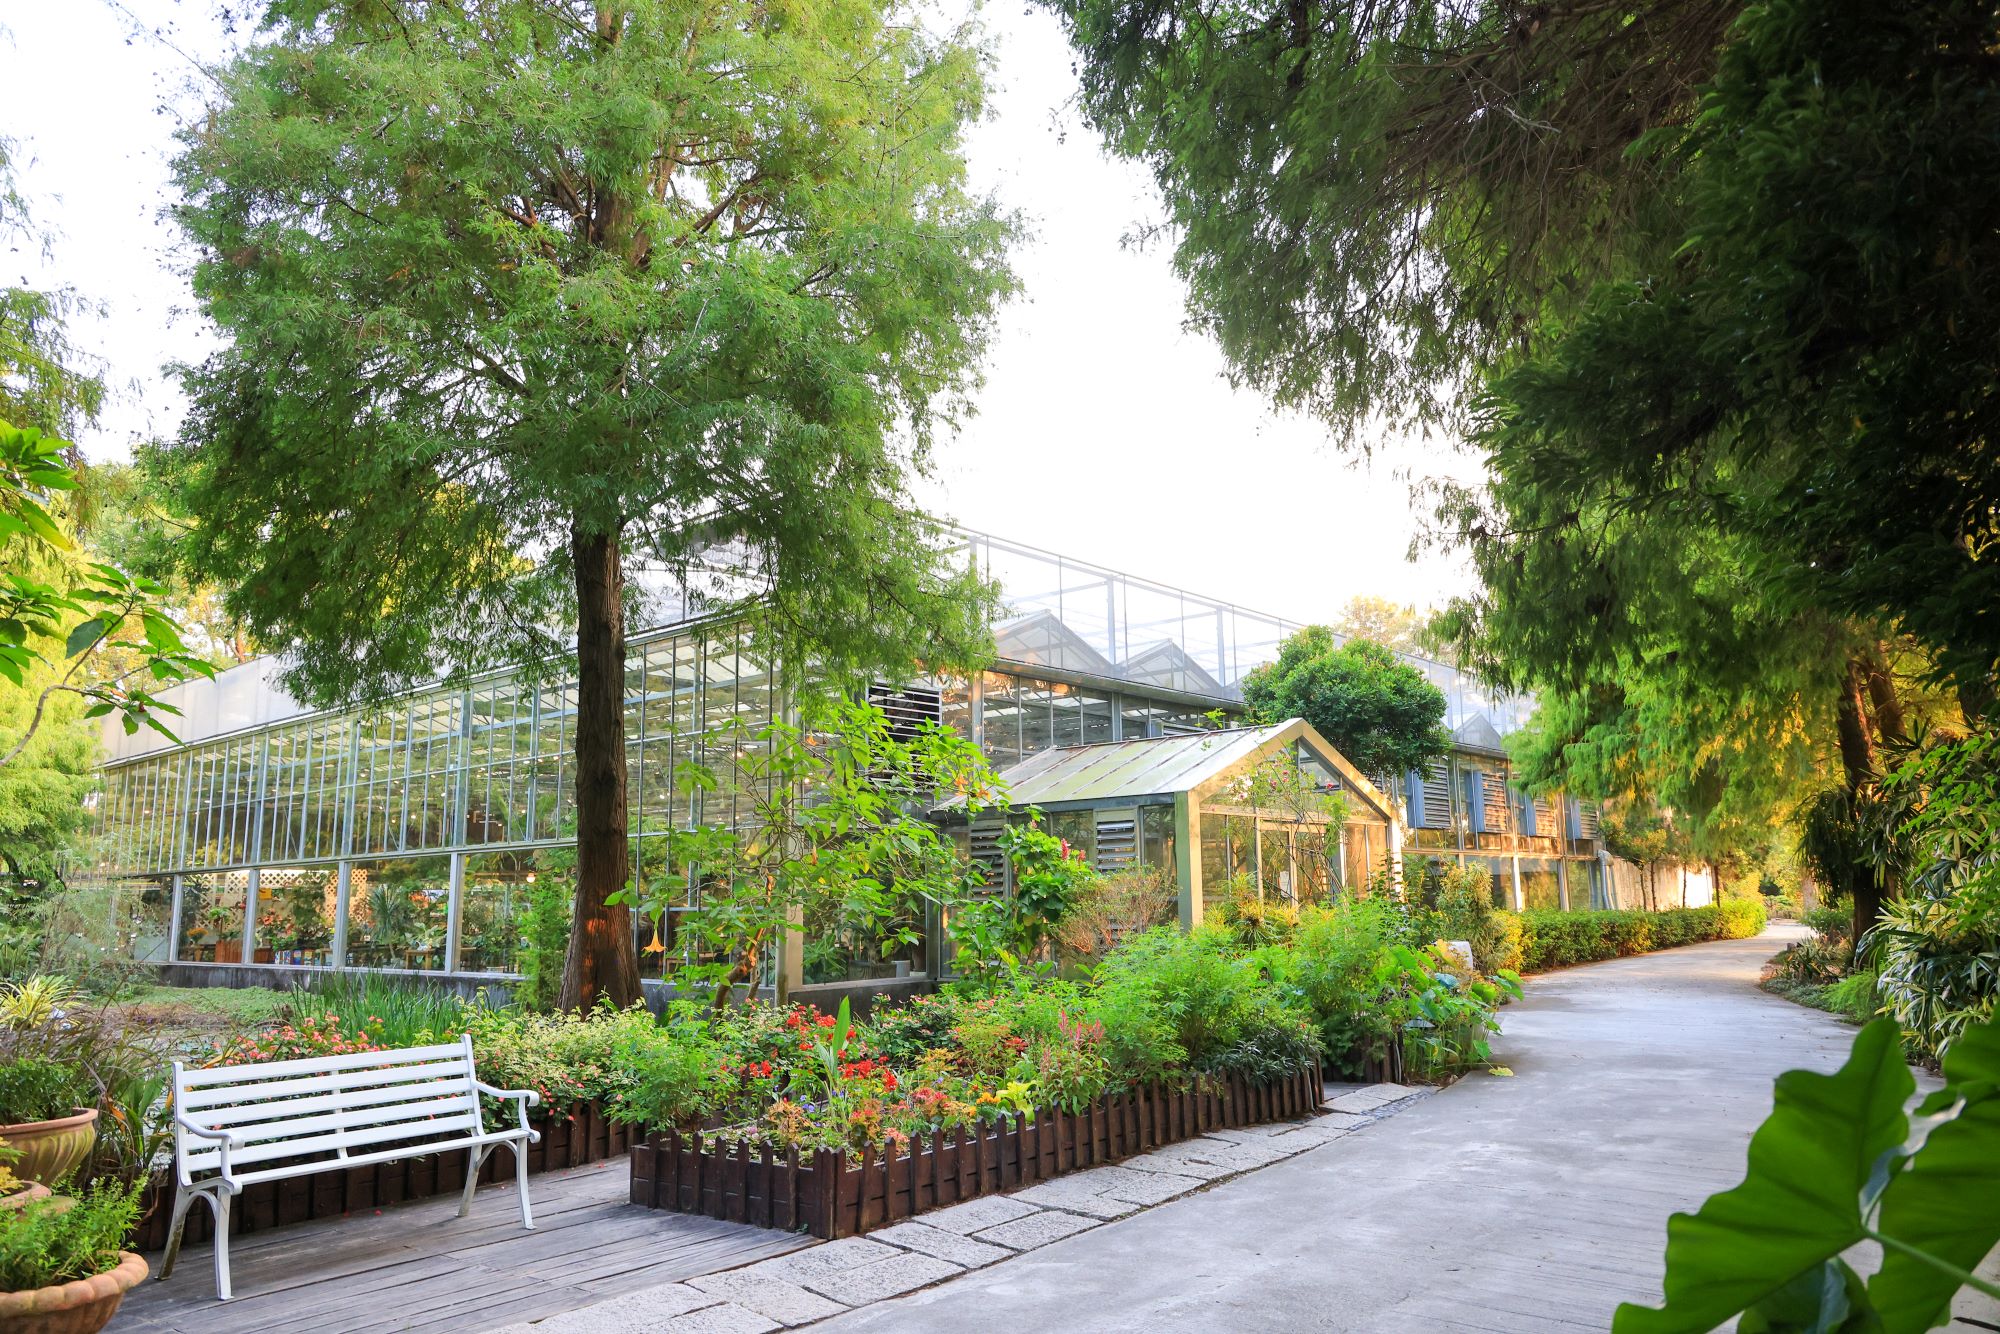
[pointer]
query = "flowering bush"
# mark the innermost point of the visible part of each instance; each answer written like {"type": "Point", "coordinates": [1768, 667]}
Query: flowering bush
{"type": "Point", "coordinates": [313, 1035]}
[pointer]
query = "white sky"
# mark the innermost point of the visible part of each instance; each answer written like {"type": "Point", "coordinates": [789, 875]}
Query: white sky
{"type": "Point", "coordinates": [1104, 431]}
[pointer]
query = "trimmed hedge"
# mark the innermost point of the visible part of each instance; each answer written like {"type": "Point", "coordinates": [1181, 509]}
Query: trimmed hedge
{"type": "Point", "coordinates": [1551, 938]}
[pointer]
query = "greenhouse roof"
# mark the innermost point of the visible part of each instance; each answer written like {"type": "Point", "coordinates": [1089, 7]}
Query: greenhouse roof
{"type": "Point", "coordinates": [1162, 766]}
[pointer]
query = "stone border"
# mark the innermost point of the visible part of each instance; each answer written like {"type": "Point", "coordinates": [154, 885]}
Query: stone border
{"type": "Point", "coordinates": [836, 1276]}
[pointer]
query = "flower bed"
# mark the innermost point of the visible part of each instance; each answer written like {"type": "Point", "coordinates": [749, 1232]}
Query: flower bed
{"type": "Point", "coordinates": [833, 1193]}
{"type": "Point", "coordinates": [586, 1135]}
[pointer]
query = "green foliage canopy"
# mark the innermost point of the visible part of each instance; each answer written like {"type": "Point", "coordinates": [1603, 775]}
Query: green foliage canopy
{"type": "Point", "coordinates": [1381, 713]}
{"type": "Point", "coordinates": [518, 294]}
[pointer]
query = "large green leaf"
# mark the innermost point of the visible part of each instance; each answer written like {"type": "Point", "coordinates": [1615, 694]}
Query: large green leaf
{"type": "Point", "coordinates": [1800, 1203]}
{"type": "Point", "coordinates": [1946, 1201]}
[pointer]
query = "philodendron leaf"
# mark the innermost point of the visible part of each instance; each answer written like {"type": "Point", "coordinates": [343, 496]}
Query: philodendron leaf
{"type": "Point", "coordinates": [1826, 1299]}
{"type": "Point", "coordinates": [1946, 1200]}
{"type": "Point", "coordinates": [1800, 1203]}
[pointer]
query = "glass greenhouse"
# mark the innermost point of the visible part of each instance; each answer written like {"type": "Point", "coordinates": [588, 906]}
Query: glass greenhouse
{"type": "Point", "coordinates": [408, 837]}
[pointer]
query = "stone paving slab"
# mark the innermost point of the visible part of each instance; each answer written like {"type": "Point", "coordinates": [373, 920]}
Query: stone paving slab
{"type": "Point", "coordinates": [905, 1271]}
{"type": "Point", "coordinates": [722, 1318]}
{"type": "Point", "coordinates": [984, 1212]}
{"type": "Point", "coordinates": [650, 1309]}
{"type": "Point", "coordinates": [1037, 1229]}
{"type": "Point", "coordinates": [767, 1295]}
{"type": "Point", "coordinates": [1077, 1196]}
{"type": "Point", "coordinates": [1136, 1187]}
{"type": "Point", "coordinates": [952, 1246]}
{"type": "Point", "coordinates": [1371, 1098]}
{"type": "Point", "coordinates": [830, 1258]}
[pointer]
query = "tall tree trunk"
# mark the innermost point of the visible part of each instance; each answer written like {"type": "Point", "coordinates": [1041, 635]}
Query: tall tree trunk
{"type": "Point", "coordinates": [1858, 765]}
{"type": "Point", "coordinates": [602, 958]}
{"type": "Point", "coordinates": [1882, 696]}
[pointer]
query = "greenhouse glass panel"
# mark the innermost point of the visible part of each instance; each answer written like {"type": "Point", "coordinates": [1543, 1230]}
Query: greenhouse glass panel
{"type": "Point", "coordinates": [492, 913]}
{"type": "Point", "coordinates": [295, 914]}
{"type": "Point", "coordinates": [397, 911]}
{"type": "Point", "coordinates": [212, 916]}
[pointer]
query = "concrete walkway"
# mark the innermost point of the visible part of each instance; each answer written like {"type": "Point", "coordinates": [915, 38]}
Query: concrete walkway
{"type": "Point", "coordinates": [1532, 1203]}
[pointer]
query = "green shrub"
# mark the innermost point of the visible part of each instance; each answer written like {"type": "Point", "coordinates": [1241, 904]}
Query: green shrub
{"type": "Point", "coordinates": [46, 1243]}
{"type": "Point", "coordinates": [1829, 924]}
{"type": "Point", "coordinates": [1461, 897]}
{"type": "Point", "coordinates": [1220, 1008]}
{"type": "Point", "coordinates": [1336, 967]}
{"type": "Point", "coordinates": [37, 1088]}
{"type": "Point", "coordinates": [1551, 938]}
{"type": "Point", "coordinates": [675, 1072]}
{"type": "Point", "coordinates": [1939, 967]}
{"type": "Point", "coordinates": [565, 1058]}
{"type": "Point", "coordinates": [545, 927]}
{"type": "Point", "coordinates": [1858, 996]}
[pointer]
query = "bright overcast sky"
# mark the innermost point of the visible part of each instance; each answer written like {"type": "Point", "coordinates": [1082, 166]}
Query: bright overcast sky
{"type": "Point", "coordinates": [1104, 431]}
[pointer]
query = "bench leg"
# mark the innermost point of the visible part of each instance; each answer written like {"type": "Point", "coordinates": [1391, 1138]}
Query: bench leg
{"type": "Point", "coordinates": [521, 1183]}
{"type": "Point", "coordinates": [220, 1199]}
{"type": "Point", "coordinates": [183, 1200]}
{"type": "Point", "coordinates": [474, 1157]}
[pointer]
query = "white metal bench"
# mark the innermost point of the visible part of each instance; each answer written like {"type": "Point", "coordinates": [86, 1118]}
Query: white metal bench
{"type": "Point", "coordinates": [265, 1121]}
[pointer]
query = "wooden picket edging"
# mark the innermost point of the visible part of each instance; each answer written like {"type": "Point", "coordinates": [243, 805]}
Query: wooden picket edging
{"type": "Point", "coordinates": [587, 1136]}
{"type": "Point", "coordinates": [830, 1194]}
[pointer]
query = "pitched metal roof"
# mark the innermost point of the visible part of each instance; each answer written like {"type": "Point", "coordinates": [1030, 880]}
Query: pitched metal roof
{"type": "Point", "coordinates": [1113, 770]}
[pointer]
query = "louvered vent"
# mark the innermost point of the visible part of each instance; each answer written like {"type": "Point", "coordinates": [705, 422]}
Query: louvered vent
{"type": "Point", "coordinates": [1437, 797]}
{"type": "Point", "coordinates": [908, 709]}
{"type": "Point", "coordinates": [1117, 844]}
{"type": "Point", "coordinates": [1498, 818]}
{"type": "Point", "coordinates": [985, 853]}
{"type": "Point", "coordinates": [1587, 819]}
{"type": "Point", "coordinates": [1545, 819]}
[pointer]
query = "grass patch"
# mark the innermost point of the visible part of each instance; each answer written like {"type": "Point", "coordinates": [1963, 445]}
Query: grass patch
{"type": "Point", "coordinates": [1853, 998]}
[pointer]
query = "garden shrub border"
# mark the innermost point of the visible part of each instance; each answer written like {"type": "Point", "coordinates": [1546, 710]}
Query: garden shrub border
{"type": "Point", "coordinates": [829, 1194]}
{"type": "Point", "coordinates": [583, 1136]}
{"type": "Point", "coordinates": [1553, 938]}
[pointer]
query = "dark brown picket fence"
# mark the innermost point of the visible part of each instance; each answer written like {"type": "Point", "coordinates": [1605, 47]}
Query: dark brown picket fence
{"type": "Point", "coordinates": [830, 1194]}
{"type": "Point", "coordinates": [567, 1141]}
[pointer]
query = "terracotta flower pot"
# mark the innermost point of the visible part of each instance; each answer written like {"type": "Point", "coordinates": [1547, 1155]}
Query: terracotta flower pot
{"type": "Point", "coordinates": [82, 1307]}
{"type": "Point", "coordinates": [51, 1150]}
{"type": "Point", "coordinates": [28, 1194]}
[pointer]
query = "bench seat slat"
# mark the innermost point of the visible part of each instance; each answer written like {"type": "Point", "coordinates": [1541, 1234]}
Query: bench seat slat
{"type": "Point", "coordinates": [244, 1118]}
{"type": "Point", "coordinates": [437, 1102]}
{"type": "Point", "coordinates": [319, 1065]}
{"type": "Point", "coordinates": [272, 1090]}
{"type": "Point", "coordinates": [385, 1156]}
{"type": "Point", "coordinates": [418, 1128]}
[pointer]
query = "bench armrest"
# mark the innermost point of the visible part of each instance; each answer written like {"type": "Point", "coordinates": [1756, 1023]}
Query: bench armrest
{"type": "Point", "coordinates": [224, 1141]}
{"type": "Point", "coordinates": [523, 1100]}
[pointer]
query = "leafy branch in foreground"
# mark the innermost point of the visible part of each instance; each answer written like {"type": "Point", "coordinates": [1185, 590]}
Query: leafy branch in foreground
{"type": "Point", "coordinates": [1836, 1164]}
{"type": "Point", "coordinates": [123, 620]}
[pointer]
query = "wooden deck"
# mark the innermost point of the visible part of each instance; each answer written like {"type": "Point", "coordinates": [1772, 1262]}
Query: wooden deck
{"type": "Point", "coordinates": [420, 1267]}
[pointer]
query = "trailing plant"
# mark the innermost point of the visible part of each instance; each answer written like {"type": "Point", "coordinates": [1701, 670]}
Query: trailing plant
{"type": "Point", "coordinates": [1837, 1164]}
{"type": "Point", "coordinates": [45, 1243]}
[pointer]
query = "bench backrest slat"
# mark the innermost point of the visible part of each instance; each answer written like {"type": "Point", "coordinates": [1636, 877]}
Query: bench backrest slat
{"type": "Point", "coordinates": [258, 1071]}
{"type": "Point", "coordinates": [261, 1091]}
{"type": "Point", "coordinates": [327, 1105]}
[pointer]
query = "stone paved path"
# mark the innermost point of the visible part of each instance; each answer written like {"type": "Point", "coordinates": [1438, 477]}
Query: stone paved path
{"type": "Point", "coordinates": [1532, 1203]}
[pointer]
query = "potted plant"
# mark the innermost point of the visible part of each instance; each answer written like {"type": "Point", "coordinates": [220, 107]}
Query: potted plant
{"type": "Point", "coordinates": [62, 1269]}
{"type": "Point", "coordinates": [46, 1115]}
